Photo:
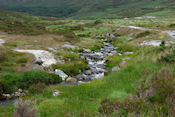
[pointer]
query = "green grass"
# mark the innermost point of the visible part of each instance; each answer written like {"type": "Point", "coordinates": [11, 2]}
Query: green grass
{"type": "Point", "coordinates": [94, 31]}
{"type": "Point", "coordinates": [86, 97]}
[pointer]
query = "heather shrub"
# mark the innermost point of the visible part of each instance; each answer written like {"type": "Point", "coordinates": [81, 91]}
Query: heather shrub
{"type": "Point", "coordinates": [53, 79]}
{"type": "Point", "coordinates": [107, 107]}
{"type": "Point", "coordinates": [155, 96]}
{"type": "Point", "coordinates": [36, 76]}
{"type": "Point", "coordinates": [98, 22]}
{"type": "Point", "coordinates": [37, 88]}
{"type": "Point", "coordinates": [72, 68]}
{"type": "Point", "coordinates": [168, 58]}
{"type": "Point", "coordinates": [163, 83]}
{"type": "Point", "coordinates": [10, 82]}
{"type": "Point", "coordinates": [143, 34]}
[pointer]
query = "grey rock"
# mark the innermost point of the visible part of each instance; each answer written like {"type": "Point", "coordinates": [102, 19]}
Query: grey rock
{"type": "Point", "coordinates": [87, 50]}
{"type": "Point", "coordinates": [88, 72]}
{"type": "Point", "coordinates": [36, 66]}
{"type": "Point", "coordinates": [109, 35]}
{"type": "Point", "coordinates": [69, 47]}
{"type": "Point", "coordinates": [114, 52]}
{"type": "Point", "coordinates": [126, 53]}
{"type": "Point", "coordinates": [115, 68]}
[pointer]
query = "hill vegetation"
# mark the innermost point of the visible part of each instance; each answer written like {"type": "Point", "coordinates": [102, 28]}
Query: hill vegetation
{"type": "Point", "coordinates": [90, 8]}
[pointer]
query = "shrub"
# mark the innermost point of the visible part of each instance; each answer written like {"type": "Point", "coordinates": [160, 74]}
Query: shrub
{"type": "Point", "coordinates": [3, 56]}
{"type": "Point", "coordinates": [38, 88]}
{"type": "Point", "coordinates": [172, 25]}
{"type": "Point", "coordinates": [169, 58]}
{"type": "Point", "coordinates": [156, 97]}
{"type": "Point", "coordinates": [22, 60]}
{"type": "Point", "coordinates": [72, 68]}
{"type": "Point", "coordinates": [35, 76]}
{"type": "Point", "coordinates": [127, 48]}
{"type": "Point", "coordinates": [162, 45]}
{"type": "Point", "coordinates": [95, 47]}
{"type": "Point", "coordinates": [143, 34]}
{"type": "Point", "coordinates": [113, 61]}
{"type": "Point", "coordinates": [69, 56]}
{"type": "Point", "coordinates": [10, 82]}
{"type": "Point", "coordinates": [53, 79]}
{"type": "Point", "coordinates": [163, 83]}
{"type": "Point", "coordinates": [107, 107]}
{"type": "Point", "coordinates": [22, 109]}
{"type": "Point", "coordinates": [2, 87]}
{"type": "Point", "coordinates": [98, 22]}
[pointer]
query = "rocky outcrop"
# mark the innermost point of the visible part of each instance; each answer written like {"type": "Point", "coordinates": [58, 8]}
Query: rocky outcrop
{"type": "Point", "coordinates": [61, 74]}
{"type": "Point", "coordinates": [42, 57]}
{"type": "Point", "coordinates": [2, 41]}
{"type": "Point", "coordinates": [69, 47]}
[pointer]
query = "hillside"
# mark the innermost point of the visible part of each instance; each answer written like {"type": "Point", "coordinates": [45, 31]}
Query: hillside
{"type": "Point", "coordinates": [84, 9]}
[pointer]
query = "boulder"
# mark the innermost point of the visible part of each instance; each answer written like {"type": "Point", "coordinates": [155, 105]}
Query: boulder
{"type": "Point", "coordinates": [61, 74]}
{"type": "Point", "coordinates": [87, 50]}
{"type": "Point", "coordinates": [71, 80]}
{"type": "Point", "coordinates": [109, 35]}
{"type": "Point", "coordinates": [69, 47]}
{"type": "Point", "coordinates": [88, 72]}
{"type": "Point", "coordinates": [115, 69]}
{"type": "Point", "coordinates": [56, 93]}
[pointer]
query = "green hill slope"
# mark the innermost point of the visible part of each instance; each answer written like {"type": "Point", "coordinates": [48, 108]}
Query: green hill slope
{"type": "Point", "coordinates": [88, 8]}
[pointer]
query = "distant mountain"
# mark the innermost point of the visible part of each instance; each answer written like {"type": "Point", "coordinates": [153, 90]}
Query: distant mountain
{"type": "Point", "coordinates": [89, 8]}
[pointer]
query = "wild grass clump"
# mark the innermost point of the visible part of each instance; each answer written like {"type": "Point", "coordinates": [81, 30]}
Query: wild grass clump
{"type": "Point", "coordinates": [23, 109]}
{"type": "Point", "coordinates": [168, 58]}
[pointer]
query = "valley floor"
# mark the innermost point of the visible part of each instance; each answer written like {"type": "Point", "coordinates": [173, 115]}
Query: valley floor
{"type": "Point", "coordinates": [144, 47]}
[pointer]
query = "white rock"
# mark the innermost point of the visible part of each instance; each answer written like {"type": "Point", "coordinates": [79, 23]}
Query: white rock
{"type": "Point", "coordinates": [126, 53]}
{"type": "Point", "coordinates": [61, 74]}
{"type": "Point", "coordinates": [138, 28]}
{"type": "Point", "coordinates": [171, 34]}
{"type": "Point", "coordinates": [87, 50]}
{"type": "Point", "coordinates": [152, 43]}
{"type": "Point", "coordinates": [2, 41]}
{"type": "Point", "coordinates": [46, 57]}
{"type": "Point", "coordinates": [56, 93]}
{"type": "Point", "coordinates": [69, 47]}
{"type": "Point", "coordinates": [115, 68]}
{"type": "Point", "coordinates": [97, 76]}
